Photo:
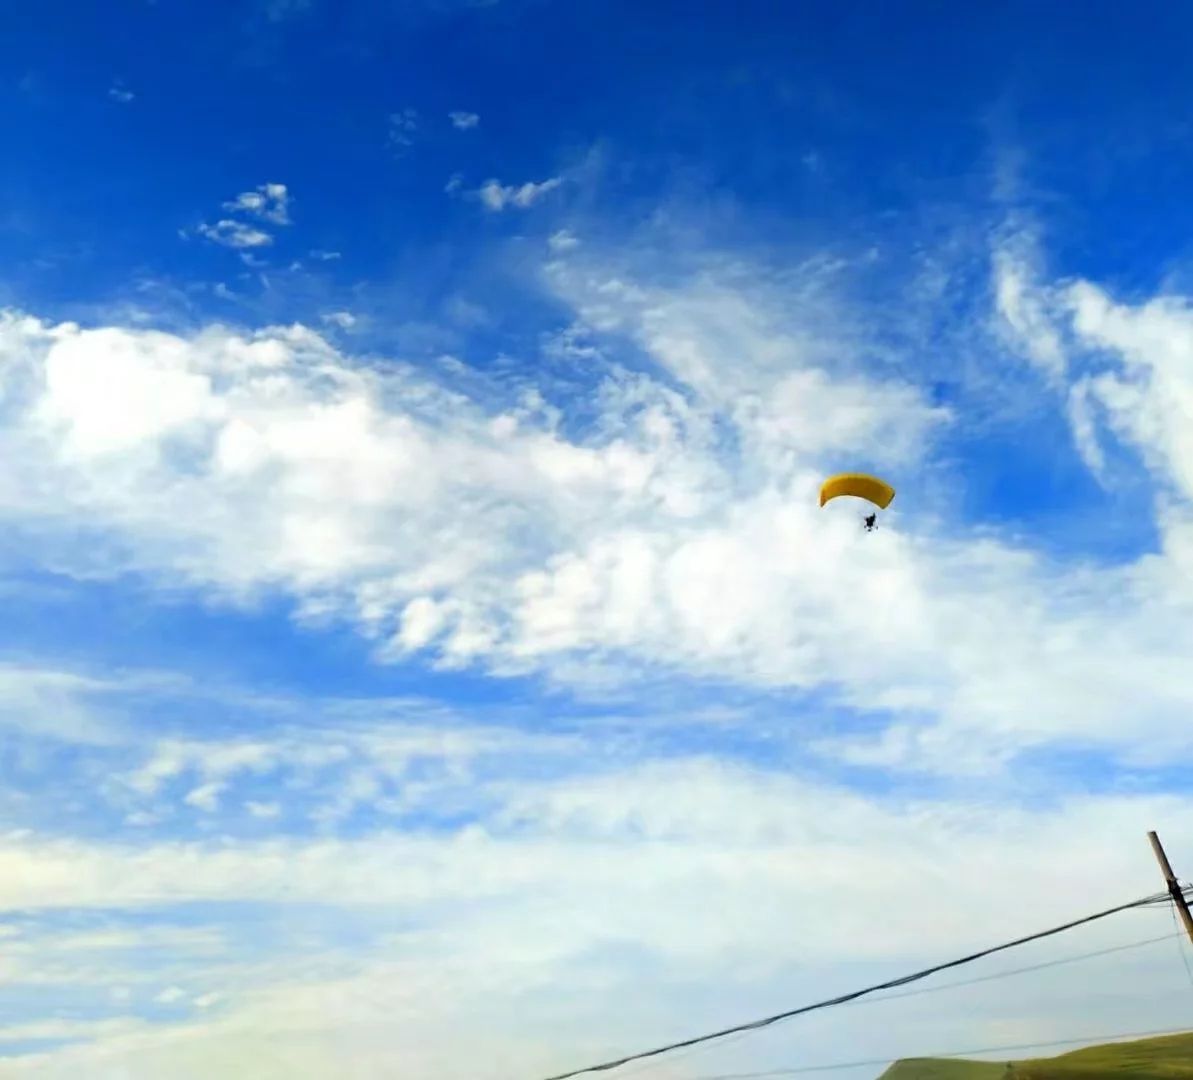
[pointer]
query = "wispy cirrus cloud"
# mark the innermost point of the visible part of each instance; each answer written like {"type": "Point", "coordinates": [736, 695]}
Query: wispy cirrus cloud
{"type": "Point", "coordinates": [473, 911]}
{"type": "Point", "coordinates": [474, 531]}
{"type": "Point", "coordinates": [445, 637]}
{"type": "Point", "coordinates": [670, 533]}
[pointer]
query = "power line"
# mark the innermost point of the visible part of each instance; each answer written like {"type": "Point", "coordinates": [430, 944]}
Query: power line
{"type": "Point", "coordinates": [685, 1055]}
{"type": "Point", "coordinates": [938, 990]}
{"type": "Point", "coordinates": [875, 1062]}
{"type": "Point", "coordinates": [1180, 945]}
{"type": "Point", "coordinates": [1161, 900]}
{"type": "Point", "coordinates": [1021, 971]}
{"type": "Point", "coordinates": [843, 998]}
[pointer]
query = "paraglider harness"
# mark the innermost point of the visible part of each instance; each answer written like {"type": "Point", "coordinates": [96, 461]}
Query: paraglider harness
{"type": "Point", "coordinates": [869, 522]}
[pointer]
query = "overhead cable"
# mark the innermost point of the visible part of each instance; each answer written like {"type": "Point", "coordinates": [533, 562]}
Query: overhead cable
{"type": "Point", "coordinates": [841, 999]}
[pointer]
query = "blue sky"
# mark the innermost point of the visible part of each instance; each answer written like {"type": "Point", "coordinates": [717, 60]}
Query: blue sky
{"type": "Point", "coordinates": [418, 613]}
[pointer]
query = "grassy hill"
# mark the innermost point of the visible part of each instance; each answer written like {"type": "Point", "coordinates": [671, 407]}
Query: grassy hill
{"type": "Point", "coordinates": [1168, 1057]}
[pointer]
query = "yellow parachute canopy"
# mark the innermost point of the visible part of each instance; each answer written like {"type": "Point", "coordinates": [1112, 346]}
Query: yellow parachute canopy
{"type": "Point", "coordinates": [864, 487]}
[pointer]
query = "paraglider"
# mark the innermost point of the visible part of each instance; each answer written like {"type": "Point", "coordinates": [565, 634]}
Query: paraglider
{"type": "Point", "coordinates": [861, 486]}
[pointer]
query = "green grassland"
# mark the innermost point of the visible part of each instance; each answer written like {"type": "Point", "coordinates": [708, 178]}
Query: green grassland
{"type": "Point", "coordinates": [1168, 1057]}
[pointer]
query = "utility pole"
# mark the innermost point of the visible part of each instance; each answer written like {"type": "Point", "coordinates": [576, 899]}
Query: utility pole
{"type": "Point", "coordinates": [1174, 888]}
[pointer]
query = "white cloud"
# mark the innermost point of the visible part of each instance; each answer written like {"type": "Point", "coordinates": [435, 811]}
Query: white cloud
{"type": "Point", "coordinates": [1025, 307]}
{"type": "Point", "coordinates": [215, 762]}
{"type": "Point", "coordinates": [55, 704]}
{"type": "Point", "coordinates": [464, 121]}
{"type": "Point", "coordinates": [1082, 405]}
{"type": "Point", "coordinates": [121, 94]}
{"type": "Point", "coordinates": [784, 881]}
{"type": "Point", "coordinates": [402, 126]}
{"type": "Point", "coordinates": [345, 320]}
{"type": "Point", "coordinates": [671, 529]}
{"type": "Point", "coordinates": [65, 1029]}
{"type": "Point", "coordinates": [394, 759]}
{"type": "Point", "coordinates": [270, 202]}
{"type": "Point", "coordinates": [1147, 400]}
{"type": "Point", "coordinates": [324, 256]}
{"type": "Point", "coordinates": [1133, 384]}
{"type": "Point", "coordinates": [563, 240]}
{"type": "Point", "coordinates": [205, 797]}
{"type": "Point", "coordinates": [674, 816]}
{"type": "Point", "coordinates": [464, 312]}
{"type": "Point", "coordinates": [496, 196]}
{"type": "Point", "coordinates": [677, 533]}
{"type": "Point", "coordinates": [235, 234]}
